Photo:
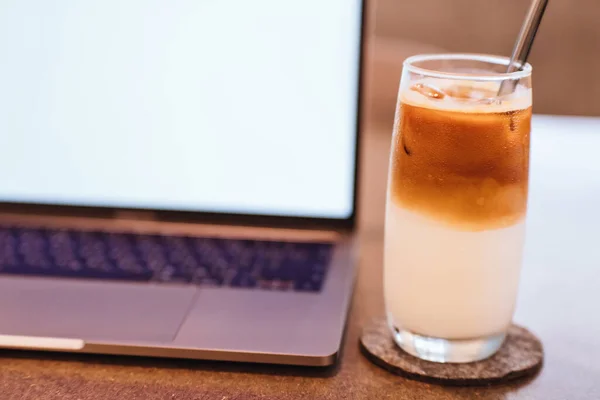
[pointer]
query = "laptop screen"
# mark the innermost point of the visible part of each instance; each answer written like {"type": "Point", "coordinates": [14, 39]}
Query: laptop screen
{"type": "Point", "coordinates": [227, 106]}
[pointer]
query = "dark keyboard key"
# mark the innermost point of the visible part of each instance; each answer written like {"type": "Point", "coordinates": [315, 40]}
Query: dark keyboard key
{"type": "Point", "coordinates": [62, 250]}
{"type": "Point", "coordinates": [32, 248]}
{"type": "Point", "coordinates": [8, 252]}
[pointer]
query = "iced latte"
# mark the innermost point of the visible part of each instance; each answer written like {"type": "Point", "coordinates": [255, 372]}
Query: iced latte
{"type": "Point", "coordinates": [456, 205]}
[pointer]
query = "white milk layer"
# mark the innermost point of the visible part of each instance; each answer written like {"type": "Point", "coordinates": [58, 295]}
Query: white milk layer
{"type": "Point", "coordinates": [449, 283]}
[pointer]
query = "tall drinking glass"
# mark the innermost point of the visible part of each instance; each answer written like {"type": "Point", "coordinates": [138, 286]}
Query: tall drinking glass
{"type": "Point", "coordinates": [456, 205]}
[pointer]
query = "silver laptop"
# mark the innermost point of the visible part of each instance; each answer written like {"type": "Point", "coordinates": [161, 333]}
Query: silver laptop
{"type": "Point", "coordinates": [178, 178]}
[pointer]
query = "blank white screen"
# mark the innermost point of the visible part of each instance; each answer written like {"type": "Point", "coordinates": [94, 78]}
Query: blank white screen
{"type": "Point", "coordinates": [201, 105]}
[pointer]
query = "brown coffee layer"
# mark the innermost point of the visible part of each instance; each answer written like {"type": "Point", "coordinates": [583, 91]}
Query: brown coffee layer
{"type": "Point", "coordinates": [465, 168]}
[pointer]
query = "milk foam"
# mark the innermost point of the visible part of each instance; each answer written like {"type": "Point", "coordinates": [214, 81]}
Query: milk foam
{"type": "Point", "coordinates": [520, 99]}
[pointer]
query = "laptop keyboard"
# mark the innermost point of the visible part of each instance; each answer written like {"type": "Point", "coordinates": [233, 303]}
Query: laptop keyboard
{"type": "Point", "coordinates": [159, 258]}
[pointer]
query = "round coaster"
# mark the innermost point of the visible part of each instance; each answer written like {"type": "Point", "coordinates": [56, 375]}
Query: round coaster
{"type": "Point", "coordinates": [521, 355]}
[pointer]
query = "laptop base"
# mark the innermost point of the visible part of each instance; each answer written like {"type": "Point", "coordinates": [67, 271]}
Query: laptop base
{"type": "Point", "coordinates": [180, 320]}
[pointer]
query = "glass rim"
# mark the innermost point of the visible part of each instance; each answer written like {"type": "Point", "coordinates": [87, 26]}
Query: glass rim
{"type": "Point", "coordinates": [484, 58]}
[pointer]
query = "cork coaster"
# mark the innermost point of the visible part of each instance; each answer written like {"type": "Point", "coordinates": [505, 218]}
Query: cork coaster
{"type": "Point", "coordinates": [520, 356]}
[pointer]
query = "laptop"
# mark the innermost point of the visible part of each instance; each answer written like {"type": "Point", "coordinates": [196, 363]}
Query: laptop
{"type": "Point", "coordinates": [179, 178]}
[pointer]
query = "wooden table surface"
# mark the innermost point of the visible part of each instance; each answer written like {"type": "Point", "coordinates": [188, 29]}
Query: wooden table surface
{"type": "Point", "coordinates": [571, 336]}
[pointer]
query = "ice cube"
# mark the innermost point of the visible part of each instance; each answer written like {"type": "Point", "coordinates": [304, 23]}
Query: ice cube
{"type": "Point", "coordinates": [461, 92]}
{"type": "Point", "coordinates": [489, 101]}
{"type": "Point", "coordinates": [428, 90]}
{"type": "Point", "coordinates": [472, 94]}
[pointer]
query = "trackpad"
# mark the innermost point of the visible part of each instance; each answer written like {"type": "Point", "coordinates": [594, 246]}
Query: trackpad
{"type": "Point", "coordinates": [92, 310]}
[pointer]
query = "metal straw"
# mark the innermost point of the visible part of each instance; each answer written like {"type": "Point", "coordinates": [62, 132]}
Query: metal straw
{"type": "Point", "coordinates": [524, 43]}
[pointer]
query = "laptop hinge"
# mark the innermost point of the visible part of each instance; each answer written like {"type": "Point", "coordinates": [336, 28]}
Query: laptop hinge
{"type": "Point", "coordinates": [135, 215]}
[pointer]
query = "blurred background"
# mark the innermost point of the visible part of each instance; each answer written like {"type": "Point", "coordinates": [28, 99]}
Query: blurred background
{"type": "Point", "coordinates": [565, 56]}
